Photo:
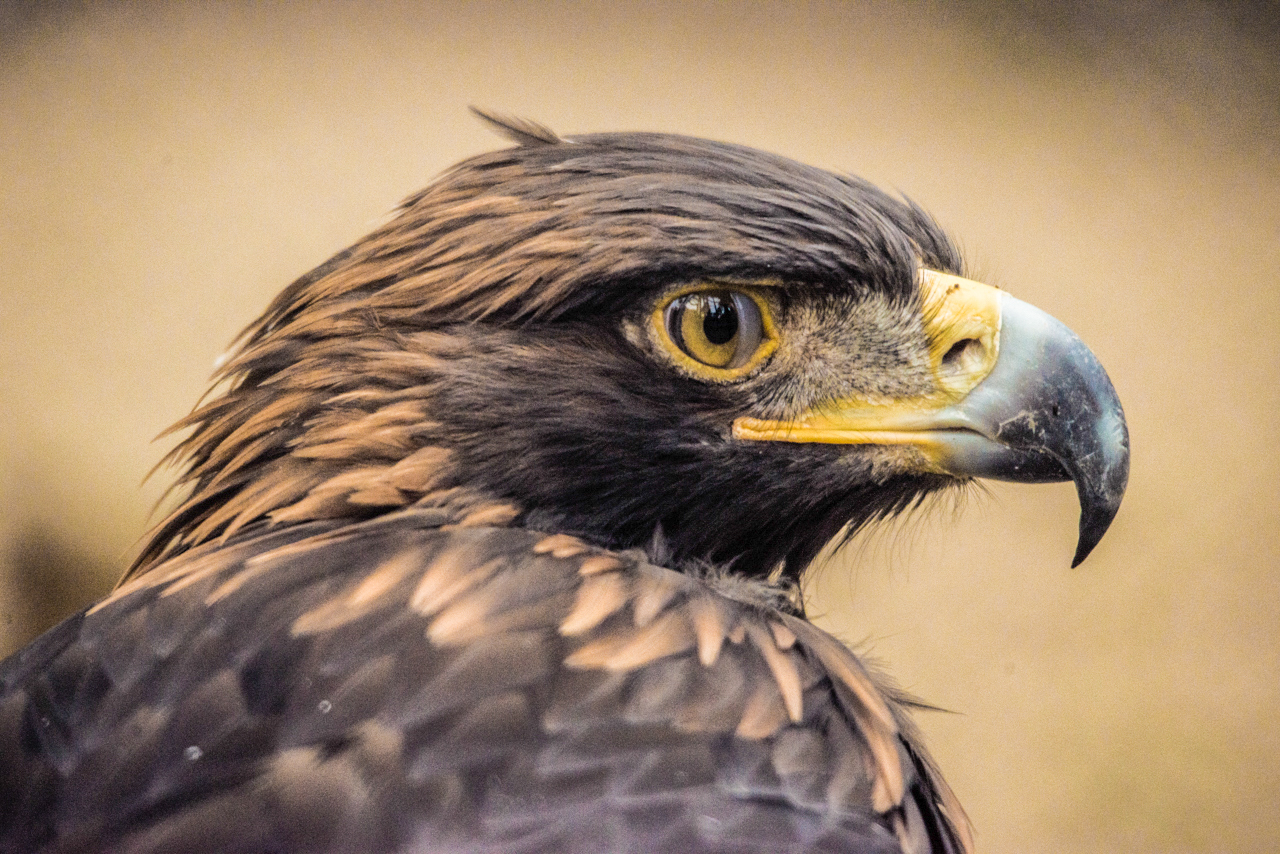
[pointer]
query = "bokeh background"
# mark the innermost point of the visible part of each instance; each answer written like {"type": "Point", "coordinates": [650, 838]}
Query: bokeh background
{"type": "Point", "coordinates": [166, 168]}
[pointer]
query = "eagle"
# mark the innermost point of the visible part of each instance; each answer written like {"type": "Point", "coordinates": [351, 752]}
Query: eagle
{"type": "Point", "coordinates": [489, 536]}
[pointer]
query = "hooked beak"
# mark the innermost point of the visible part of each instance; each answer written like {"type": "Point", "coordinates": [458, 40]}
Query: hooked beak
{"type": "Point", "coordinates": [1018, 397]}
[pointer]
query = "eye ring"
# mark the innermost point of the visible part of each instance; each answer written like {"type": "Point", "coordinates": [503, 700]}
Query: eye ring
{"type": "Point", "coordinates": [717, 332]}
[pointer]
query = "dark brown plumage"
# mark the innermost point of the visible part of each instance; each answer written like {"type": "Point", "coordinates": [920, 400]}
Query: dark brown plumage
{"type": "Point", "coordinates": [487, 543]}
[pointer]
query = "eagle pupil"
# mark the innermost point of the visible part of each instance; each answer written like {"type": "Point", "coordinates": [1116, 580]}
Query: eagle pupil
{"type": "Point", "coordinates": [720, 323]}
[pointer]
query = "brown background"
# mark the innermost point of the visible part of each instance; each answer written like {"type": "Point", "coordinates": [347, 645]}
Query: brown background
{"type": "Point", "coordinates": [164, 170]}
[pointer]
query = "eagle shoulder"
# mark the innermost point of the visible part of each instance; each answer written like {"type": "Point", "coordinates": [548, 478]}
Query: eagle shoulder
{"type": "Point", "coordinates": [411, 684]}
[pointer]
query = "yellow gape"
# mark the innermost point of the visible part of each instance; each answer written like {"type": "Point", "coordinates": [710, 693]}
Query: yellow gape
{"type": "Point", "coordinates": [962, 323]}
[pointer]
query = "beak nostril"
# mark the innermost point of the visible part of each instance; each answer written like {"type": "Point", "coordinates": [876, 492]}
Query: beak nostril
{"type": "Point", "coordinates": [964, 355]}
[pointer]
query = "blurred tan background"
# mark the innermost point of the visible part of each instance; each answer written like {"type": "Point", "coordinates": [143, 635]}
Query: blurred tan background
{"type": "Point", "coordinates": [165, 169]}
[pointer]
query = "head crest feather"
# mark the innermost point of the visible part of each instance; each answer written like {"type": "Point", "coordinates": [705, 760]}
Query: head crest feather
{"type": "Point", "coordinates": [520, 131]}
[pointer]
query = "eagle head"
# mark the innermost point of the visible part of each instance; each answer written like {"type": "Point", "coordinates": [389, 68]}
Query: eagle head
{"type": "Point", "coordinates": [644, 340]}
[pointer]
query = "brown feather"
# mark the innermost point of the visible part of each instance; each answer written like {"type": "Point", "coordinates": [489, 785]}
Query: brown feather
{"type": "Point", "coordinates": [362, 599]}
{"type": "Point", "coordinates": [709, 624]}
{"type": "Point", "coordinates": [597, 564]}
{"type": "Point", "coordinates": [782, 636]}
{"type": "Point", "coordinates": [784, 671]}
{"type": "Point", "coordinates": [628, 650]}
{"type": "Point", "coordinates": [598, 598]}
{"type": "Point", "coordinates": [520, 131]}
{"type": "Point", "coordinates": [486, 515]}
{"type": "Point", "coordinates": [560, 545]}
{"type": "Point", "coordinates": [449, 574]}
{"type": "Point", "coordinates": [654, 588]}
{"type": "Point", "coordinates": [422, 471]}
{"type": "Point", "coordinates": [868, 708]}
{"type": "Point", "coordinates": [764, 715]}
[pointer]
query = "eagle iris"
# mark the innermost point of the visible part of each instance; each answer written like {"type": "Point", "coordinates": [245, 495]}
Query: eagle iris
{"type": "Point", "coordinates": [718, 328]}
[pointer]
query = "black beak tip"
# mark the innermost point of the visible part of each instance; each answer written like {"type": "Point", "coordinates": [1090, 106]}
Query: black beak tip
{"type": "Point", "coordinates": [1101, 488]}
{"type": "Point", "coordinates": [1095, 519]}
{"type": "Point", "coordinates": [1091, 531]}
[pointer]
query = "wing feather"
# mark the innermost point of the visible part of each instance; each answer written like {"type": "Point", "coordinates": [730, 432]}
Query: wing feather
{"type": "Point", "coordinates": [402, 684]}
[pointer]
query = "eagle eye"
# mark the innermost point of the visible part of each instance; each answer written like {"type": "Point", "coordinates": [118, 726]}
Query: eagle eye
{"type": "Point", "coordinates": [726, 330]}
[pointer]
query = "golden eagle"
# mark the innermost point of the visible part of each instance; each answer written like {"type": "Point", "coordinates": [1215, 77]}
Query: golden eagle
{"type": "Point", "coordinates": [489, 538]}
